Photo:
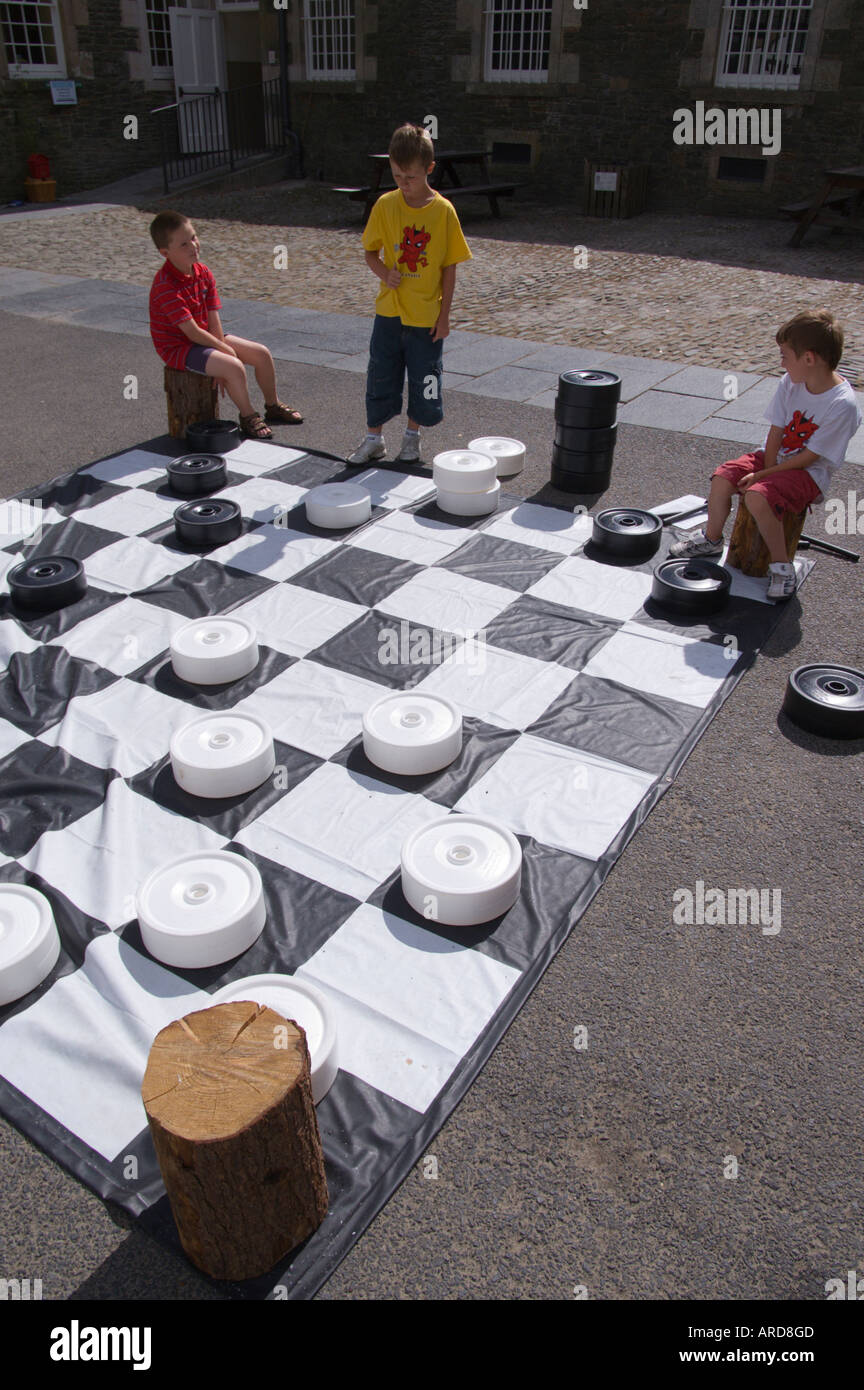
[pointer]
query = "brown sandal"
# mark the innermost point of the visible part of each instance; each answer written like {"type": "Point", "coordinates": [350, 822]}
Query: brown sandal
{"type": "Point", "coordinates": [279, 414]}
{"type": "Point", "coordinates": [253, 427]}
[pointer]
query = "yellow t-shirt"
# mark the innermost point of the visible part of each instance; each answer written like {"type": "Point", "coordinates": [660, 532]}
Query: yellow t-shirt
{"type": "Point", "coordinates": [419, 242]}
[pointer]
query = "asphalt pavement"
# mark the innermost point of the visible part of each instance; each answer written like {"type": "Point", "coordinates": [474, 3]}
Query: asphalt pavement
{"type": "Point", "coordinates": [606, 1166]}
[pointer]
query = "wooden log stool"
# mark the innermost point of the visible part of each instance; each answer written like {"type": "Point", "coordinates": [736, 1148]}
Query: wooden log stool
{"type": "Point", "coordinates": [190, 398]}
{"type": "Point", "coordinates": [228, 1096]}
{"type": "Point", "coordinates": [747, 550]}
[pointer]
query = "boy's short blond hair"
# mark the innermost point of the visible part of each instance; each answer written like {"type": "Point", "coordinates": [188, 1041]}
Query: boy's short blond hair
{"type": "Point", "coordinates": [814, 330]}
{"type": "Point", "coordinates": [411, 144]}
{"type": "Point", "coordinates": [163, 227]}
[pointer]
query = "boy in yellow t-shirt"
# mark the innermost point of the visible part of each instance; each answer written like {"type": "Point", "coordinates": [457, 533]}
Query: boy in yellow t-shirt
{"type": "Point", "coordinates": [413, 243]}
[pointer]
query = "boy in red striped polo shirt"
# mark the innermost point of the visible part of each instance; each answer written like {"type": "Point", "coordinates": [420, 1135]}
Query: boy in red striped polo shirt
{"type": "Point", "coordinates": [187, 332]}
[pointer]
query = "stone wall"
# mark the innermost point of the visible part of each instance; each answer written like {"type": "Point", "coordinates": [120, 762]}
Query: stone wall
{"type": "Point", "coordinates": [85, 143]}
{"type": "Point", "coordinates": [618, 72]}
{"type": "Point", "coordinates": [619, 69]}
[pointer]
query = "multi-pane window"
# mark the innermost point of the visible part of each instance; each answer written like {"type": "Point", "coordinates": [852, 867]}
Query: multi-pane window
{"type": "Point", "coordinates": [762, 42]}
{"type": "Point", "coordinates": [31, 35]}
{"type": "Point", "coordinates": [159, 33]}
{"type": "Point", "coordinates": [330, 38]}
{"type": "Point", "coordinates": [517, 40]}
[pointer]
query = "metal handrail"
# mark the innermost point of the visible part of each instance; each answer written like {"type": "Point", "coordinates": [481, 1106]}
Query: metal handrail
{"type": "Point", "coordinates": [209, 130]}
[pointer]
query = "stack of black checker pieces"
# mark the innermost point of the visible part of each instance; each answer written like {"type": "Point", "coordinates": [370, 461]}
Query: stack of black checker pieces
{"type": "Point", "coordinates": [585, 430]}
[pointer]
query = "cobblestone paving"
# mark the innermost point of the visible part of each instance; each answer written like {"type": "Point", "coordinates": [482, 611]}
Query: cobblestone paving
{"type": "Point", "coordinates": [708, 291]}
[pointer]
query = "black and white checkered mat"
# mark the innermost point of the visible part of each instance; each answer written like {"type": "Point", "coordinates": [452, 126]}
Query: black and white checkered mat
{"type": "Point", "coordinates": [580, 704]}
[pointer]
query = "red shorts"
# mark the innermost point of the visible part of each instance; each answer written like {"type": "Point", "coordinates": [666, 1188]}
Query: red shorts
{"type": "Point", "coordinates": [792, 491]}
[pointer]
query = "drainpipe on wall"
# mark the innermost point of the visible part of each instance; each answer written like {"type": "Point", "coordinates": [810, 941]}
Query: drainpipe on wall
{"type": "Point", "coordinates": [295, 158]}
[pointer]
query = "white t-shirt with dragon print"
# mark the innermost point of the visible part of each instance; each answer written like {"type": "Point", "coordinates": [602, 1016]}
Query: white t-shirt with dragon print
{"type": "Point", "coordinates": [823, 423]}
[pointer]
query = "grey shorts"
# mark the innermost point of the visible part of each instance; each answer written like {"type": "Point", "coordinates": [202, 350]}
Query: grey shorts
{"type": "Point", "coordinates": [196, 359]}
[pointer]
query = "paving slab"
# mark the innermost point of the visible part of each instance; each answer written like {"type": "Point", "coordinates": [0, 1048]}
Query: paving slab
{"type": "Point", "coordinates": [666, 411]}
{"type": "Point", "coordinates": [708, 381]}
{"type": "Point", "coordinates": [648, 367]}
{"type": "Point", "coordinates": [284, 349]}
{"type": "Point", "coordinates": [546, 400]}
{"type": "Point", "coordinates": [15, 282]}
{"type": "Point", "coordinates": [741, 431]}
{"type": "Point", "coordinates": [562, 359]}
{"type": "Point", "coordinates": [510, 384]}
{"type": "Point", "coordinates": [57, 300]}
{"type": "Point", "coordinates": [753, 403]}
{"type": "Point", "coordinates": [488, 353]}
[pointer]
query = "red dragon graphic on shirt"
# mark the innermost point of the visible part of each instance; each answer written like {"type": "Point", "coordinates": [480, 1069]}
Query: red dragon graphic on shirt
{"type": "Point", "coordinates": [413, 244]}
{"type": "Point", "coordinates": [797, 433]}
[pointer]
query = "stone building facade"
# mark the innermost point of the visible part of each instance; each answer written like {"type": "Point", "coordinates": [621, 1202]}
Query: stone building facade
{"type": "Point", "coordinates": [544, 84]}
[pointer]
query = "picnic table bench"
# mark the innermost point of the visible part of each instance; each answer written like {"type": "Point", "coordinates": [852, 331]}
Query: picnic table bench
{"type": "Point", "coordinates": [841, 186]}
{"type": "Point", "coordinates": [444, 179]}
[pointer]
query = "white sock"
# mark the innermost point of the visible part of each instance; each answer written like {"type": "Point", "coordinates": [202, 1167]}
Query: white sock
{"type": "Point", "coordinates": [412, 434]}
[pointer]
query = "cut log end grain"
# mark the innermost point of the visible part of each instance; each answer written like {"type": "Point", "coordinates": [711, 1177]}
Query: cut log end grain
{"type": "Point", "coordinates": [228, 1096]}
{"type": "Point", "coordinates": [212, 1074]}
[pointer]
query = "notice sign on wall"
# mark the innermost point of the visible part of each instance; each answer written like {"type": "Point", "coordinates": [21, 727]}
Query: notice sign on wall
{"type": "Point", "coordinates": [605, 183]}
{"type": "Point", "coordinates": [63, 92]}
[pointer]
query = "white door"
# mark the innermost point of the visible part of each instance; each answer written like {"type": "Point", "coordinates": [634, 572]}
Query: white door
{"type": "Point", "coordinates": [199, 66]}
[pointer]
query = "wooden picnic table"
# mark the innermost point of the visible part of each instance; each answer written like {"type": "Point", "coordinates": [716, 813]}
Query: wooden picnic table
{"type": "Point", "coordinates": [840, 185]}
{"type": "Point", "coordinates": [444, 179]}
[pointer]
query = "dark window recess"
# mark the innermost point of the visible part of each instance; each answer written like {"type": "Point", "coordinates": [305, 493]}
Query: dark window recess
{"type": "Point", "coordinates": [741, 170]}
{"type": "Point", "coordinates": [505, 152]}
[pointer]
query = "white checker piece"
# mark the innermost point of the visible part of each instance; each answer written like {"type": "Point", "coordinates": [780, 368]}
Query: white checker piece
{"type": "Point", "coordinates": [112, 1007]}
{"type": "Point", "coordinates": [592, 588]}
{"type": "Point", "coordinates": [546, 528]}
{"type": "Point", "coordinates": [662, 663]}
{"type": "Point", "coordinates": [406, 536]}
{"type": "Point", "coordinates": [299, 622]}
{"type": "Point", "coordinates": [101, 858]}
{"type": "Point", "coordinates": [449, 601]}
{"type": "Point", "coordinates": [272, 551]}
{"type": "Point", "coordinates": [563, 797]}
{"type": "Point", "coordinates": [500, 687]}
{"type": "Point", "coordinates": [126, 726]}
{"type": "Point", "coordinates": [316, 708]}
{"type": "Point", "coordinates": [340, 828]}
{"type": "Point", "coordinates": [408, 1004]}
{"type": "Point", "coordinates": [123, 637]}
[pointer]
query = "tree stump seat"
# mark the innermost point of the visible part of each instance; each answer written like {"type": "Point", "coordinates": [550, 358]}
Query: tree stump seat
{"type": "Point", "coordinates": [228, 1097]}
{"type": "Point", "coordinates": [190, 399]}
{"type": "Point", "coordinates": [747, 550]}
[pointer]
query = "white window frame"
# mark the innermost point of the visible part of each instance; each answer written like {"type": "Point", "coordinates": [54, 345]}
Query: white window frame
{"type": "Point", "coordinates": [322, 12]}
{"type": "Point", "coordinates": [46, 70]}
{"type": "Point", "coordinates": [521, 7]}
{"type": "Point", "coordinates": [791, 10]}
{"type": "Point", "coordinates": [157, 69]}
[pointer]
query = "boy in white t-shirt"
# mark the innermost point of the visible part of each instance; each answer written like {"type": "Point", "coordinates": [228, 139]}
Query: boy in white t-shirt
{"type": "Point", "coordinates": [813, 415]}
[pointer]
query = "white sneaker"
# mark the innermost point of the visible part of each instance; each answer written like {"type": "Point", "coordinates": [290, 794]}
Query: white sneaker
{"type": "Point", "coordinates": [410, 450]}
{"type": "Point", "coordinates": [372, 447]}
{"type": "Point", "coordinates": [697, 544]}
{"type": "Point", "coordinates": [781, 582]}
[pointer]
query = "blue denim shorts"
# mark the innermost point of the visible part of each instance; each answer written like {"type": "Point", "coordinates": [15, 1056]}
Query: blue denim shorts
{"type": "Point", "coordinates": [394, 349]}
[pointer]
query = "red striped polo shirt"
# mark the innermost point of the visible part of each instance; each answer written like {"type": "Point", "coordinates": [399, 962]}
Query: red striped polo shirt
{"type": "Point", "coordinates": [173, 298]}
